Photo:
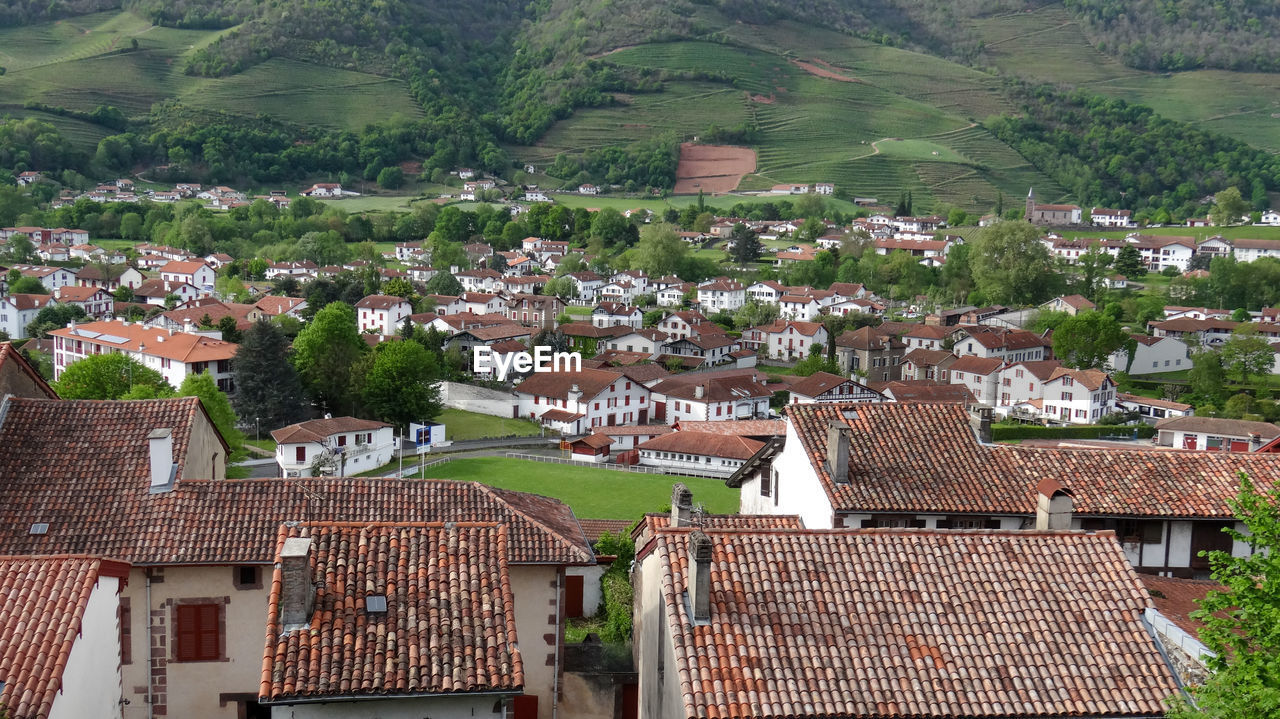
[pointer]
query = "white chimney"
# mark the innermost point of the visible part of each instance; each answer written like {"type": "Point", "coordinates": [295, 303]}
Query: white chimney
{"type": "Point", "coordinates": [297, 592]}
{"type": "Point", "coordinates": [699, 576]}
{"type": "Point", "coordinates": [699, 391]}
{"type": "Point", "coordinates": [838, 452]}
{"type": "Point", "coordinates": [163, 469]}
{"type": "Point", "coordinates": [1054, 505]}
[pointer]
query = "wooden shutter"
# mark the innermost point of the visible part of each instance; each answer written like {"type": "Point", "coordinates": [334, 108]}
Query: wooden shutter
{"type": "Point", "coordinates": [196, 632]}
{"type": "Point", "coordinates": [525, 706]}
{"type": "Point", "coordinates": [185, 633]}
{"type": "Point", "coordinates": [208, 632]}
{"type": "Point", "coordinates": [573, 585]}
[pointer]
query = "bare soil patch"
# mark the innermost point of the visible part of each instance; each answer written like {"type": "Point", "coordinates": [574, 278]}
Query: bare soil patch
{"type": "Point", "coordinates": [762, 99]}
{"type": "Point", "coordinates": [712, 168]}
{"type": "Point", "coordinates": [823, 70]}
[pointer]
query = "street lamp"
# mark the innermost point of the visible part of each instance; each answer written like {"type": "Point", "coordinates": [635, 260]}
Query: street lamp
{"type": "Point", "coordinates": [257, 429]}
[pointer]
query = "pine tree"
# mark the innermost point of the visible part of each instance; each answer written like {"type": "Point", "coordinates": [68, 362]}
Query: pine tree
{"type": "Point", "coordinates": [268, 392]}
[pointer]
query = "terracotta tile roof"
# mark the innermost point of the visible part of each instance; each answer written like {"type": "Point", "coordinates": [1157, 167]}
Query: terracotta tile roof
{"type": "Point", "coordinates": [135, 337]}
{"type": "Point", "coordinates": [653, 521]}
{"type": "Point", "coordinates": [922, 357]}
{"type": "Point", "coordinates": [1176, 599]}
{"type": "Point", "coordinates": [594, 528]}
{"type": "Point", "coordinates": [817, 383]}
{"type": "Point", "coordinates": [1040, 369]}
{"type": "Point", "coordinates": [704, 444]}
{"type": "Point", "coordinates": [614, 308]}
{"type": "Point", "coordinates": [1219, 426]}
{"type": "Point", "coordinates": [934, 332]}
{"type": "Point", "coordinates": [706, 341]}
{"type": "Point", "coordinates": [867, 338]}
{"type": "Point", "coordinates": [891, 623]}
{"type": "Point", "coordinates": [317, 430]}
{"type": "Point", "coordinates": [558, 384]}
{"type": "Point", "coordinates": [739, 427]}
{"type": "Point", "coordinates": [42, 603]}
{"type": "Point", "coordinates": [977, 365]}
{"type": "Point", "coordinates": [76, 293]}
{"type": "Point", "coordinates": [561, 415]}
{"type": "Point", "coordinates": [11, 360]}
{"type": "Point", "coordinates": [275, 305]}
{"type": "Point", "coordinates": [1091, 378]}
{"type": "Point", "coordinates": [380, 302]}
{"type": "Point", "coordinates": [627, 430]}
{"type": "Point", "coordinates": [595, 440]}
{"type": "Point", "coordinates": [215, 310]}
{"type": "Point", "coordinates": [498, 332]}
{"type": "Point", "coordinates": [714, 389]}
{"type": "Point", "coordinates": [29, 302]}
{"type": "Point", "coordinates": [621, 358]}
{"type": "Point", "coordinates": [180, 267]}
{"type": "Point", "coordinates": [158, 288]}
{"type": "Point", "coordinates": [449, 625]}
{"type": "Point", "coordinates": [586, 329]}
{"type": "Point", "coordinates": [925, 457]}
{"type": "Point", "coordinates": [1150, 401]}
{"type": "Point", "coordinates": [1002, 338]}
{"type": "Point", "coordinates": [929, 391]}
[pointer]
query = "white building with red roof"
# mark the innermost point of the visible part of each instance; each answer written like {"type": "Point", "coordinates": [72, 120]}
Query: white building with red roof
{"type": "Point", "coordinates": [175, 355]}
{"type": "Point", "coordinates": [17, 311]}
{"type": "Point", "coordinates": [196, 273]}
{"type": "Point", "coordinates": [339, 446]}
{"type": "Point", "coordinates": [382, 313]}
{"type": "Point", "coordinates": [576, 402]}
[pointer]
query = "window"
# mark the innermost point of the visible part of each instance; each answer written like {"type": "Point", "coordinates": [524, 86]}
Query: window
{"type": "Point", "coordinates": [197, 634]}
{"type": "Point", "coordinates": [1007, 382]}
{"type": "Point", "coordinates": [766, 482]}
{"type": "Point", "coordinates": [246, 577]}
{"type": "Point", "coordinates": [342, 440]}
{"type": "Point", "coordinates": [1066, 397]}
{"type": "Point", "coordinates": [300, 454]}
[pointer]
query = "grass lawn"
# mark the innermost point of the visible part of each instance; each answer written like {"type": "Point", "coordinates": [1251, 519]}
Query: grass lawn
{"type": "Point", "coordinates": [460, 424]}
{"type": "Point", "coordinates": [581, 310]}
{"type": "Point", "coordinates": [590, 492]}
{"type": "Point", "coordinates": [268, 444]}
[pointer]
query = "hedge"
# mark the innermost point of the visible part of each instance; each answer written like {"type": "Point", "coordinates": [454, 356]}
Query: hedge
{"type": "Point", "coordinates": [1034, 431]}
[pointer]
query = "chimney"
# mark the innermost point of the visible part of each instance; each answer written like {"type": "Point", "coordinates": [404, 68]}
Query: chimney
{"type": "Point", "coordinates": [164, 470]}
{"type": "Point", "coordinates": [297, 592]}
{"type": "Point", "coordinates": [1054, 505]}
{"type": "Point", "coordinates": [681, 505]}
{"type": "Point", "coordinates": [980, 420]}
{"type": "Point", "coordinates": [699, 391]}
{"type": "Point", "coordinates": [838, 452]}
{"type": "Point", "coordinates": [1255, 441]}
{"type": "Point", "coordinates": [699, 576]}
{"type": "Point", "coordinates": [188, 326]}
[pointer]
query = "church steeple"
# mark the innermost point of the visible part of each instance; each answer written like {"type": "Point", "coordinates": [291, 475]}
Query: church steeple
{"type": "Point", "coordinates": [1031, 204]}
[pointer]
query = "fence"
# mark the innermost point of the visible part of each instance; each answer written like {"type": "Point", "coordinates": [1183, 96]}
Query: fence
{"type": "Point", "coordinates": [608, 465]}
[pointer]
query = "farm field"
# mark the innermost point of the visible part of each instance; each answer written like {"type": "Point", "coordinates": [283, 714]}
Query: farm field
{"type": "Point", "coordinates": [591, 493]}
{"type": "Point", "coordinates": [1047, 45]}
{"type": "Point", "coordinates": [86, 61]}
{"type": "Point", "coordinates": [829, 108]}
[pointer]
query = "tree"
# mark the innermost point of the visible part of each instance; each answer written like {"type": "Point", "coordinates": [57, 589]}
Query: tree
{"type": "Point", "coordinates": [817, 361]}
{"type": "Point", "coordinates": [562, 287]}
{"type": "Point", "coordinates": [1228, 207]}
{"type": "Point", "coordinates": [108, 376]}
{"type": "Point", "coordinates": [1087, 340]}
{"type": "Point", "coordinates": [28, 286]}
{"type": "Point", "coordinates": [19, 248]}
{"type": "Point", "coordinates": [215, 403]}
{"type": "Point", "coordinates": [401, 385]}
{"type": "Point", "coordinates": [53, 317]}
{"type": "Point", "coordinates": [268, 391]}
{"type": "Point", "coordinates": [124, 293]}
{"type": "Point", "coordinates": [1240, 620]}
{"type": "Point", "coordinates": [400, 287]}
{"type": "Point", "coordinates": [1010, 265]}
{"type": "Point", "coordinates": [1247, 353]}
{"type": "Point", "coordinates": [324, 353]}
{"type": "Point", "coordinates": [1129, 262]}
{"type": "Point", "coordinates": [391, 177]}
{"type": "Point", "coordinates": [230, 332]}
{"type": "Point", "coordinates": [443, 283]}
{"type": "Point", "coordinates": [1206, 375]}
{"type": "Point", "coordinates": [1093, 266]}
{"type": "Point", "coordinates": [746, 245]}
{"type": "Point", "coordinates": [660, 250]}
{"type": "Point", "coordinates": [754, 314]}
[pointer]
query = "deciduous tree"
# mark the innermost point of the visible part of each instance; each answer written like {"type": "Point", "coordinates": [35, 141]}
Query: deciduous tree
{"type": "Point", "coordinates": [324, 353]}
{"type": "Point", "coordinates": [401, 385]}
{"type": "Point", "coordinates": [107, 376]}
{"type": "Point", "coordinates": [660, 250]}
{"type": "Point", "coordinates": [1087, 340]}
{"type": "Point", "coordinates": [215, 403]}
{"type": "Point", "coordinates": [1010, 265]}
{"type": "Point", "coordinates": [1247, 353]}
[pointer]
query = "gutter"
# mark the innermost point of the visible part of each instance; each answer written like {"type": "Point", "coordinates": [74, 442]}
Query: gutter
{"type": "Point", "coordinates": [365, 697]}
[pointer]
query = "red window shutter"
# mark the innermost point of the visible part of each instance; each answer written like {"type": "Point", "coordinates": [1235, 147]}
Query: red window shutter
{"type": "Point", "coordinates": [301, 454]}
{"type": "Point", "coordinates": [185, 632]}
{"type": "Point", "coordinates": [209, 644]}
{"type": "Point", "coordinates": [525, 707]}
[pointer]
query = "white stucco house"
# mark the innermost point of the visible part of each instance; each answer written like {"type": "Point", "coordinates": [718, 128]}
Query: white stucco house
{"type": "Point", "coordinates": [339, 446]}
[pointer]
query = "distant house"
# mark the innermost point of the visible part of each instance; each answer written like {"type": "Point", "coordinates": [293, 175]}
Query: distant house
{"type": "Point", "coordinates": [95, 301]}
{"type": "Point", "coordinates": [1071, 304]}
{"type": "Point", "coordinates": [575, 402]}
{"type": "Point", "coordinates": [326, 190]}
{"type": "Point", "coordinates": [1270, 217]}
{"type": "Point", "coordinates": [827, 387]}
{"type": "Point", "coordinates": [382, 313]}
{"type": "Point", "coordinates": [701, 453]}
{"type": "Point", "coordinates": [196, 273]}
{"type": "Point", "coordinates": [339, 446]}
{"type": "Point", "coordinates": [51, 277]}
{"type": "Point", "coordinates": [588, 190]}
{"type": "Point", "coordinates": [1039, 214]}
{"type": "Point", "coordinates": [608, 314]}
{"type": "Point", "coordinates": [17, 311]}
{"type": "Point", "coordinates": [1151, 410]}
{"type": "Point", "coordinates": [1151, 355]}
{"type": "Point", "coordinates": [1106, 217]}
{"type": "Point", "coordinates": [711, 397]}
{"type": "Point", "coordinates": [824, 188]}
{"type": "Point", "coordinates": [29, 178]}
{"type": "Point", "coordinates": [1214, 434]}
{"type": "Point", "coordinates": [721, 294]}
{"type": "Point", "coordinates": [1078, 396]}
{"type": "Point", "coordinates": [175, 355]}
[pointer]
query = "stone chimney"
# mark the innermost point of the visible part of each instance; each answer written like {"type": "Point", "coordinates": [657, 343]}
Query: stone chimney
{"type": "Point", "coordinates": [297, 592]}
{"type": "Point", "coordinates": [838, 452]}
{"type": "Point", "coordinates": [700, 576]}
{"type": "Point", "coordinates": [1255, 441]}
{"type": "Point", "coordinates": [1054, 505]}
{"type": "Point", "coordinates": [164, 471]}
{"type": "Point", "coordinates": [980, 420]}
{"type": "Point", "coordinates": [681, 505]}
{"type": "Point", "coordinates": [574, 394]}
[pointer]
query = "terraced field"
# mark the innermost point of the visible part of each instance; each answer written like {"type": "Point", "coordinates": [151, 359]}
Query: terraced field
{"type": "Point", "coordinates": [90, 60]}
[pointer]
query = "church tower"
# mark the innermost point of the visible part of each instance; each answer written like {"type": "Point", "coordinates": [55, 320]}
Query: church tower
{"type": "Point", "coordinates": [1031, 205]}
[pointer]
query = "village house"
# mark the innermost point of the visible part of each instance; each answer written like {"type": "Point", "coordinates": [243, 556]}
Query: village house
{"type": "Point", "coordinates": [588, 190]}
{"type": "Point", "coordinates": [329, 190]}
{"type": "Point", "coordinates": [338, 446]}
{"type": "Point", "coordinates": [721, 294]}
{"type": "Point", "coordinates": [589, 339]}
{"type": "Point", "coordinates": [999, 342]}
{"type": "Point", "coordinates": [1150, 355]}
{"type": "Point", "coordinates": [195, 273]}
{"type": "Point", "coordinates": [1022, 382]}
{"type": "Point", "coordinates": [19, 310]}
{"type": "Point", "coordinates": [95, 301]}
{"type": "Point", "coordinates": [1214, 434]}
{"type": "Point", "coordinates": [710, 593]}
{"type": "Point", "coordinates": [483, 303]}
{"type": "Point", "coordinates": [711, 348]}
{"type": "Point", "coordinates": [1192, 332]}
{"type": "Point", "coordinates": [491, 336]}
{"type": "Point", "coordinates": [53, 252]}
{"type": "Point", "coordinates": [981, 375]}
{"type": "Point", "coordinates": [627, 437]}
{"type": "Point", "coordinates": [698, 453]}
{"type": "Point", "coordinates": [711, 397]}
{"type": "Point", "coordinates": [1071, 304]}
{"type": "Point", "coordinates": [203, 549]}
{"type": "Point", "coordinates": [59, 636]}
{"type": "Point", "coordinates": [192, 317]}
{"type": "Point", "coordinates": [1106, 217]}
{"type": "Point", "coordinates": [51, 277]}
{"type": "Point", "coordinates": [278, 305]}
{"type": "Point", "coordinates": [109, 277]}
{"type": "Point", "coordinates": [300, 268]}
{"type": "Point", "coordinates": [382, 313]}
{"type": "Point", "coordinates": [1039, 214]}
{"type": "Point", "coordinates": [535, 310]}
{"type": "Point", "coordinates": [175, 355]}
{"type": "Point", "coordinates": [481, 280]}
{"type": "Point", "coordinates": [960, 480]}
{"type": "Point", "coordinates": [786, 339]}
{"type": "Point", "coordinates": [1074, 396]}
{"type": "Point", "coordinates": [588, 284]}
{"type": "Point", "coordinates": [1151, 410]}
{"type": "Point", "coordinates": [870, 353]}
{"type": "Point", "coordinates": [576, 402]}
{"type": "Point", "coordinates": [618, 291]}
{"type": "Point", "coordinates": [608, 314]}
{"type": "Point", "coordinates": [673, 295]}
{"type": "Point", "coordinates": [827, 387]}
{"type": "Point", "coordinates": [649, 341]}
{"type": "Point", "coordinates": [923, 364]}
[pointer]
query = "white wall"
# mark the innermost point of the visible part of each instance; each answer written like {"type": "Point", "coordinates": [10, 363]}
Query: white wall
{"type": "Point", "coordinates": [409, 708]}
{"type": "Point", "coordinates": [477, 399]}
{"type": "Point", "coordinates": [796, 489]}
{"type": "Point", "coordinates": [592, 594]}
{"type": "Point", "coordinates": [91, 682]}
